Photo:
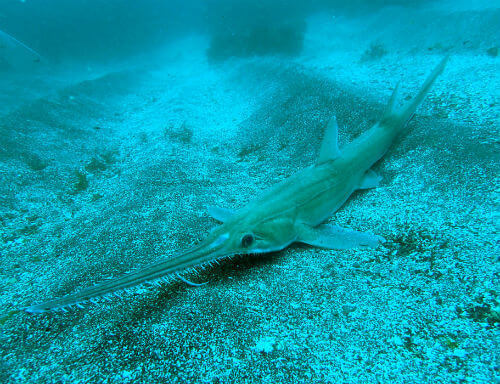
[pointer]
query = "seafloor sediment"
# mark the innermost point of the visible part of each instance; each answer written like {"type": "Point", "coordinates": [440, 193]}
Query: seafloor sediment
{"type": "Point", "coordinates": [114, 171]}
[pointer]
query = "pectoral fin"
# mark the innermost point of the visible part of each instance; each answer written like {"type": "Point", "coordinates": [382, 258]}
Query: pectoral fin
{"type": "Point", "coordinates": [335, 237]}
{"type": "Point", "coordinates": [220, 214]}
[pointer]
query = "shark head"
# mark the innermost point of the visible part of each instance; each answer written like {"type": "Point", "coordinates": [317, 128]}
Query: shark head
{"type": "Point", "coordinates": [236, 236]}
{"type": "Point", "coordinates": [246, 236]}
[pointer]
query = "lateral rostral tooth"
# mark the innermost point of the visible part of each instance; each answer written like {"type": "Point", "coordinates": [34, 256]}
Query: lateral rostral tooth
{"type": "Point", "coordinates": [142, 285]}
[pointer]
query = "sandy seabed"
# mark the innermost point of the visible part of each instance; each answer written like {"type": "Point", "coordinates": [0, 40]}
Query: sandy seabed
{"type": "Point", "coordinates": [107, 169]}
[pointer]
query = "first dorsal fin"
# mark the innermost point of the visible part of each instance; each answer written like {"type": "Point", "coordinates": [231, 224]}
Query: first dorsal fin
{"type": "Point", "coordinates": [329, 147]}
{"type": "Point", "coordinates": [389, 109]}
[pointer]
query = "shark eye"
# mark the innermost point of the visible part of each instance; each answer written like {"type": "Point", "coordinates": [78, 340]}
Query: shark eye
{"type": "Point", "coordinates": [247, 240]}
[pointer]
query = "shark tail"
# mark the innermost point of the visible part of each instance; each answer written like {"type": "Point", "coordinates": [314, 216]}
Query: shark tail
{"type": "Point", "coordinates": [405, 114]}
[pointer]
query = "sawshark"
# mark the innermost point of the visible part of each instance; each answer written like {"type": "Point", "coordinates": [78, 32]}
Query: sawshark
{"type": "Point", "coordinates": [291, 211]}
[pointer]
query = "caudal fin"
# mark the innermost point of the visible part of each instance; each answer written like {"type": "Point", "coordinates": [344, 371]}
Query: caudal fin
{"type": "Point", "coordinates": [406, 113]}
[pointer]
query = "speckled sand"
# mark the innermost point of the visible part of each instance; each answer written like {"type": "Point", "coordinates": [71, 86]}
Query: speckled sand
{"type": "Point", "coordinates": [166, 135]}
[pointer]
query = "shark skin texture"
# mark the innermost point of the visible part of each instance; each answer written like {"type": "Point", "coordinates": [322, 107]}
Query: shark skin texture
{"type": "Point", "coordinates": [291, 211]}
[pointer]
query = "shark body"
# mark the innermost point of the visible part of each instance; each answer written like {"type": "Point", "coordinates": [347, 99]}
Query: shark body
{"type": "Point", "coordinates": [291, 211]}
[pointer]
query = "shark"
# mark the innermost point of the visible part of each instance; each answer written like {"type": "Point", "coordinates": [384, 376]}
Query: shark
{"type": "Point", "coordinates": [294, 210]}
{"type": "Point", "coordinates": [15, 47]}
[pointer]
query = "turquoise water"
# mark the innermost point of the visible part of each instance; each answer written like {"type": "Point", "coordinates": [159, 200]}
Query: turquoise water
{"type": "Point", "coordinates": [123, 122]}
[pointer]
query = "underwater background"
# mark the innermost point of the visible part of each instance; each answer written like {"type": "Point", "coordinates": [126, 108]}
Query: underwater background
{"type": "Point", "coordinates": [121, 121]}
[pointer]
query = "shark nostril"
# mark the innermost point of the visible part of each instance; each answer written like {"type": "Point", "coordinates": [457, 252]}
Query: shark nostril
{"type": "Point", "coordinates": [247, 240]}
